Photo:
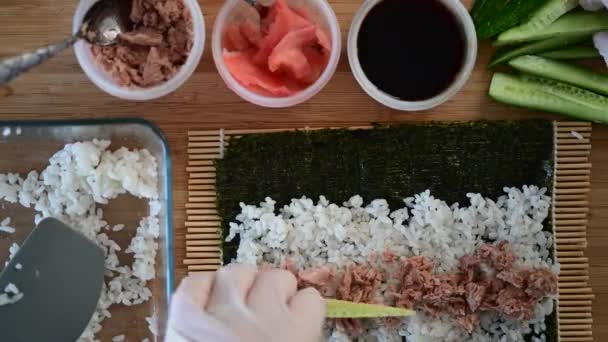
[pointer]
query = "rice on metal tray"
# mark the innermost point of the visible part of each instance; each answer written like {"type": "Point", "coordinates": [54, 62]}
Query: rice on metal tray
{"type": "Point", "coordinates": [77, 179]}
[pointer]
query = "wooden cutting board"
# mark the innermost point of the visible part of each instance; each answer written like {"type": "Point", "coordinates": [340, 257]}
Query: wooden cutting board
{"type": "Point", "coordinates": [60, 90]}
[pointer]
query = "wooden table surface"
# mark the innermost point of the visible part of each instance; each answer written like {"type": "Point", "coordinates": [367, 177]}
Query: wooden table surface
{"type": "Point", "coordinates": [60, 89]}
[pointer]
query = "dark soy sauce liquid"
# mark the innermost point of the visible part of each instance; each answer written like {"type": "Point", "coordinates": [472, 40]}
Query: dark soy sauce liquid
{"type": "Point", "coordinates": [411, 49]}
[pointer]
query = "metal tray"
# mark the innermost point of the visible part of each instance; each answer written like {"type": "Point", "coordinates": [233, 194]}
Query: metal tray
{"type": "Point", "coordinates": [31, 149]}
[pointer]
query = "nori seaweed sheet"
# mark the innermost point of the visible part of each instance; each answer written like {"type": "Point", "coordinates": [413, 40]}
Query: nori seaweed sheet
{"type": "Point", "coordinates": [450, 159]}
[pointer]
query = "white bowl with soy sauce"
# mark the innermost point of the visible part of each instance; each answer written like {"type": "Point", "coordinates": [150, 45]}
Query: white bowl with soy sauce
{"type": "Point", "coordinates": [412, 55]}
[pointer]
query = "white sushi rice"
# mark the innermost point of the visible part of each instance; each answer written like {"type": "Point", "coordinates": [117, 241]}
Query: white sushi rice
{"type": "Point", "coordinates": [11, 295]}
{"type": "Point", "coordinates": [11, 289]}
{"type": "Point", "coordinates": [9, 187]}
{"type": "Point", "coordinates": [4, 226]}
{"type": "Point", "coordinates": [6, 299]}
{"type": "Point", "coordinates": [80, 177]}
{"type": "Point", "coordinates": [118, 338]}
{"type": "Point", "coordinates": [314, 234]}
{"type": "Point", "coordinates": [153, 324]}
{"type": "Point", "coordinates": [12, 250]}
{"type": "Point", "coordinates": [577, 135]}
{"type": "Point", "coordinates": [118, 227]}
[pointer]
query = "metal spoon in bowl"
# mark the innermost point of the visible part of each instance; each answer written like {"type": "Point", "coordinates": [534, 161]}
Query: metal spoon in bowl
{"type": "Point", "coordinates": [261, 6]}
{"type": "Point", "coordinates": [102, 25]}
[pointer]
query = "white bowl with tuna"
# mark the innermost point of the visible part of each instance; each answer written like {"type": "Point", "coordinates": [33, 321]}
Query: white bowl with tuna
{"type": "Point", "coordinates": [146, 70]}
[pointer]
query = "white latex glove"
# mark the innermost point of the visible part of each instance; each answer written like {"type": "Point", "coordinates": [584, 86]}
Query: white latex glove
{"type": "Point", "coordinates": [600, 40]}
{"type": "Point", "coordinates": [593, 5]}
{"type": "Point", "coordinates": [238, 303]}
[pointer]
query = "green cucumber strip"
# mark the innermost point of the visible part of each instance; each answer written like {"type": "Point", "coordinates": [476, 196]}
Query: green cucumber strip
{"type": "Point", "coordinates": [569, 92]}
{"type": "Point", "coordinates": [560, 71]}
{"type": "Point", "coordinates": [551, 96]}
{"type": "Point", "coordinates": [542, 18]}
{"type": "Point", "coordinates": [492, 17]}
{"type": "Point", "coordinates": [536, 47]}
{"type": "Point", "coordinates": [549, 13]}
{"type": "Point", "coordinates": [574, 52]}
{"type": "Point", "coordinates": [343, 309]}
{"type": "Point", "coordinates": [571, 23]}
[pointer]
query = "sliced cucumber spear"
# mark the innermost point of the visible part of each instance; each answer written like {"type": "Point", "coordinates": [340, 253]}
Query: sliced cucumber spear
{"type": "Point", "coordinates": [574, 52]}
{"type": "Point", "coordinates": [492, 17]}
{"type": "Point", "coordinates": [343, 309]}
{"type": "Point", "coordinates": [569, 92]}
{"type": "Point", "coordinates": [537, 47]}
{"type": "Point", "coordinates": [548, 95]}
{"type": "Point", "coordinates": [549, 13]}
{"type": "Point", "coordinates": [560, 71]}
{"type": "Point", "coordinates": [576, 23]}
{"type": "Point", "coordinates": [542, 18]}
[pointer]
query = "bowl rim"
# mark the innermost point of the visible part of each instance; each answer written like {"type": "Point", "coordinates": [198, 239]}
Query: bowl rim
{"type": "Point", "coordinates": [270, 101]}
{"type": "Point", "coordinates": [463, 17]}
{"type": "Point", "coordinates": [102, 80]}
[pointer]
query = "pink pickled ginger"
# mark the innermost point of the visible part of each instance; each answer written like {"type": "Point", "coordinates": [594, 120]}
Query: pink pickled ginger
{"type": "Point", "coordinates": [280, 55]}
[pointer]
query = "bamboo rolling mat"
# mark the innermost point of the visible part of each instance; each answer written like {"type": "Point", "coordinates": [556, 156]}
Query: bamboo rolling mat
{"type": "Point", "coordinates": [570, 216]}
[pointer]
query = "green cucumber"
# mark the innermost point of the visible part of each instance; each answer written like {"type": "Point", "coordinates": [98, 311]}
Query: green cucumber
{"type": "Point", "coordinates": [569, 92]}
{"type": "Point", "coordinates": [574, 52]}
{"type": "Point", "coordinates": [549, 96]}
{"type": "Point", "coordinates": [507, 54]}
{"type": "Point", "coordinates": [560, 71]}
{"type": "Point", "coordinates": [542, 18]}
{"type": "Point", "coordinates": [549, 13]}
{"type": "Point", "coordinates": [570, 24]}
{"type": "Point", "coordinates": [492, 17]}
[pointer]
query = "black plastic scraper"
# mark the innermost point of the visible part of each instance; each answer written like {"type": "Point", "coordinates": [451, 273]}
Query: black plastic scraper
{"type": "Point", "coordinates": [60, 274]}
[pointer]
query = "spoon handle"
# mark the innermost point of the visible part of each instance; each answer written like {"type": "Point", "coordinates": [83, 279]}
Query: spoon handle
{"type": "Point", "coordinates": [15, 66]}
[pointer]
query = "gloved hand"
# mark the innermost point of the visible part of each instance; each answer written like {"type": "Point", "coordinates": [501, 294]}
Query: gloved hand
{"type": "Point", "coordinates": [238, 303]}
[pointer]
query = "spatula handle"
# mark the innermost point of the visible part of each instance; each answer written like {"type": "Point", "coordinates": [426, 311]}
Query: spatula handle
{"type": "Point", "coordinates": [15, 66]}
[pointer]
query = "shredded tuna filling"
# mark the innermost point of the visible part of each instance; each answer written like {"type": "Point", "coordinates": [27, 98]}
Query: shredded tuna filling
{"type": "Point", "coordinates": [154, 50]}
{"type": "Point", "coordinates": [486, 281]}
